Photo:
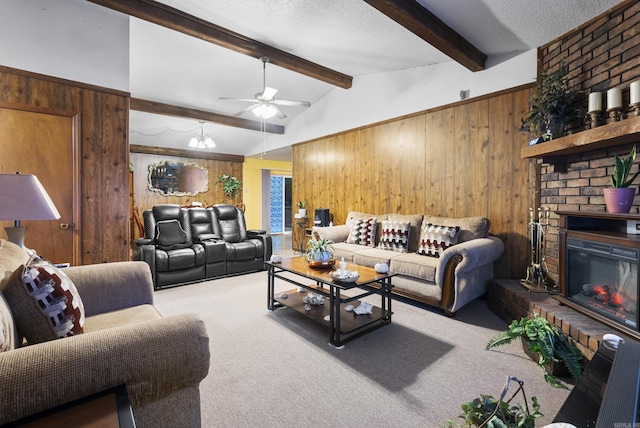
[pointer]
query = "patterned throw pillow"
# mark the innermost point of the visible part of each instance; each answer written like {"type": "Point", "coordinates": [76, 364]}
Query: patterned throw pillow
{"type": "Point", "coordinates": [435, 239]}
{"type": "Point", "coordinates": [395, 236]}
{"type": "Point", "coordinates": [363, 232]}
{"type": "Point", "coordinates": [45, 303]}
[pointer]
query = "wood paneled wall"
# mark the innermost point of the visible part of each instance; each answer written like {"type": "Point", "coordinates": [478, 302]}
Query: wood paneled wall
{"type": "Point", "coordinates": [104, 203]}
{"type": "Point", "coordinates": [456, 161]}
{"type": "Point", "coordinates": [143, 198]}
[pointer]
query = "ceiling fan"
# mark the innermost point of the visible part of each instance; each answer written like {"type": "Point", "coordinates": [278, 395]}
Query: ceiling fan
{"type": "Point", "coordinates": [264, 105]}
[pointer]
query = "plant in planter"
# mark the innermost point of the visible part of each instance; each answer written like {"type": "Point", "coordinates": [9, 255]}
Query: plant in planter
{"type": "Point", "coordinates": [487, 411]}
{"type": "Point", "coordinates": [552, 105]}
{"type": "Point", "coordinates": [302, 211]}
{"type": "Point", "coordinates": [619, 197]}
{"type": "Point", "coordinates": [320, 249]}
{"type": "Point", "coordinates": [545, 340]}
{"type": "Point", "coordinates": [230, 185]}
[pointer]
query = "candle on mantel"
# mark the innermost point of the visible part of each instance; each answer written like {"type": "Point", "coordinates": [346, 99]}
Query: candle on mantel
{"type": "Point", "coordinates": [595, 102]}
{"type": "Point", "coordinates": [634, 89]}
{"type": "Point", "coordinates": [614, 99]}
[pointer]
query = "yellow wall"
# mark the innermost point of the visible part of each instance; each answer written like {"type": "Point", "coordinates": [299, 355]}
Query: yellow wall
{"type": "Point", "coordinates": [251, 182]}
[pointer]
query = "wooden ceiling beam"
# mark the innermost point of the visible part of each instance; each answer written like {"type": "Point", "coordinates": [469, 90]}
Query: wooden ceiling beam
{"type": "Point", "coordinates": [191, 113]}
{"type": "Point", "coordinates": [424, 24]}
{"type": "Point", "coordinates": [177, 20]}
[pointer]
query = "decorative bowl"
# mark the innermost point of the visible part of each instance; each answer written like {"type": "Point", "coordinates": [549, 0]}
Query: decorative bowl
{"type": "Point", "coordinates": [316, 264]}
{"type": "Point", "coordinates": [350, 276]}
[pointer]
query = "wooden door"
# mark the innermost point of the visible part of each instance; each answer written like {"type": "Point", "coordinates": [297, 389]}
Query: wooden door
{"type": "Point", "coordinates": [43, 142]}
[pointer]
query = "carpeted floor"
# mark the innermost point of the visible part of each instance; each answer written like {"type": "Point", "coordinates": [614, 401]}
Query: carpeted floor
{"type": "Point", "coordinates": [276, 369]}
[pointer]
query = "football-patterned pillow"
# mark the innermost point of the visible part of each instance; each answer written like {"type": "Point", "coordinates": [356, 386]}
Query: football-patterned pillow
{"type": "Point", "coordinates": [363, 232]}
{"type": "Point", "coordinates": [434, 239]}
{"type": "Point", "coordinates": [45, 303]}
{"type": "Point", "coordinates": [395, 236]}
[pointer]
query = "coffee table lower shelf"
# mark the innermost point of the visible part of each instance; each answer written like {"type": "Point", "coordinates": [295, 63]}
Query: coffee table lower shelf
{"type": "Point", "coordinates": [350, 322]}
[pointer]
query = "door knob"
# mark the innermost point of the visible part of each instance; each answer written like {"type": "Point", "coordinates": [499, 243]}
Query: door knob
{"type": "Point", "coordinates": [65, 226]}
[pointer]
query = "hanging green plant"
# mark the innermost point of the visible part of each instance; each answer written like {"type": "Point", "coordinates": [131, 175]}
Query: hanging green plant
{"type": "Point", "coordinates": [230, 185]}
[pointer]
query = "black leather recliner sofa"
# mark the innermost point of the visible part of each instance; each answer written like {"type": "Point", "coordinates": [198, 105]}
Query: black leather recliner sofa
{"type": "Point", "coordinates": [184, 245]}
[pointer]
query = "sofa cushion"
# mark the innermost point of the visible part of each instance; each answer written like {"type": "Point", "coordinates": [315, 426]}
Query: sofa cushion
{"type": "Point", "coordinates": [414, 233]}
{"type": "Point", "coordinates": [415, 266]}
{"type": "Point", "coordinates": [12, 256]}
{"type": "Point", "coordinates": [355, 215]}
{"type": "Point", "coordinates": [370, 256]}
{"type": "Point", "coordinates": [45, 303]}
{"type": "Point", "coordinates": [395, 236]}
{"type": "Point", "coordinates": [470, 227]}
{"type": "Point", "coordinates": [363, 232]}
{"type": "Point", "coordinates": [434, 239]}
{"type": "Point", "coordinates": [171, 236]}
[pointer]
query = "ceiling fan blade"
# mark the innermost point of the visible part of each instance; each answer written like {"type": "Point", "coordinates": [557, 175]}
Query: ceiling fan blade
{"type": "Point", "coordinates": [248, 100]}
{"type": "Point", "coordinates": [247, 109]}
{"type": "Point", "coordinates": [279, 113]}
{"type": "Point", "coordinates": [292, 103]}
{"type": "Point", "coordinates": [269, 93]}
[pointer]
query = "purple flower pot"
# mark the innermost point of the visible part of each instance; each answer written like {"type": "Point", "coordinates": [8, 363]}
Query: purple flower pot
{"type": "Point", "coordinates": [619, 200]}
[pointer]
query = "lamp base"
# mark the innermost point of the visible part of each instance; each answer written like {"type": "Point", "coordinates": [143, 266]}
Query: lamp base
{"type": "Point", "coordinates": [16, 234]}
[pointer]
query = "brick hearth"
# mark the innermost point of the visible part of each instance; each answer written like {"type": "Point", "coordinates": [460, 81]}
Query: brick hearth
{"type": "Point", "coordinates": [510, 301]}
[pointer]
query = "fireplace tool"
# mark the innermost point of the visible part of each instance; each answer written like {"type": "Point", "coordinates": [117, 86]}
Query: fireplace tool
{"type": "Point", "coordinates": [537, 271]}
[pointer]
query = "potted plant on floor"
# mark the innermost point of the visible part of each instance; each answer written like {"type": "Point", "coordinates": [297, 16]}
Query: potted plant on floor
{"type": "Point", "coordinates": [619, 197]}
{"type": "Point", "coordinates": [487, 411]}
{"type": "Point", "coordinates": [544, 341]}
{"type": "Point", "coordinates": [552, 105]}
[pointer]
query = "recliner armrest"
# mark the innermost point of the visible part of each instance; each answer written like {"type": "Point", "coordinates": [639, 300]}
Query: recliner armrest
{"type": "Point", "coordinates": [154, 359]}
{"type": "Point", "coordinates": [106, 287]}
{"type": "Point", "coordinates": [143, 241]}
{"type": "Point", "coordinates": [206, 237]}
{"type": "Point", "coordinates": [256, 232]}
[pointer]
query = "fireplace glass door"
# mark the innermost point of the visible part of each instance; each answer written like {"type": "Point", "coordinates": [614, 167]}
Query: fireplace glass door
{"type": "Point", "coordinates": [603, 278]}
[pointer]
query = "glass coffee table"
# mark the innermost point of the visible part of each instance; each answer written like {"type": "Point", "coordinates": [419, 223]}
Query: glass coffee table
{"type": "Point", "coordinates": [343, 325]}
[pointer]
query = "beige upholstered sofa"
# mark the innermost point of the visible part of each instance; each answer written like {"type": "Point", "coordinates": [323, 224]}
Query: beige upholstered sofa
{"type": "Point", "coordinates": [125, 341]}
{"type": "Point", "coordinates": [450, 281]}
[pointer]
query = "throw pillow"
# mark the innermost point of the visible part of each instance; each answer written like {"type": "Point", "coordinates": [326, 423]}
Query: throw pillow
{"type": "Point", "coordinates": [434, 239]}
{"type": "Point", "coordinates": [363, 232]}
{"type": "Point", "coordinates": [171, 236]}
{"type": "Point", "coordinates": [45, 303]}
{"type": "Point", "coordinates": [395, 236]}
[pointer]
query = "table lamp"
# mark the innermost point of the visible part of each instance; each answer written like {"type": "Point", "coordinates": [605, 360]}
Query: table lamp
{"type": "Point", "coordinates": [22, 197]}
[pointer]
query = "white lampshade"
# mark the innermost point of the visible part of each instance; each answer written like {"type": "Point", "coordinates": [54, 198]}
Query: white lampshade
{"type": "Point", "coordinates": [22, 197]}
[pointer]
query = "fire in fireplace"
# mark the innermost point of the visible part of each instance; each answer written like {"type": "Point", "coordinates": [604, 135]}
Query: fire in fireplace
{"type": "Point", "coordinates": [603, 278]}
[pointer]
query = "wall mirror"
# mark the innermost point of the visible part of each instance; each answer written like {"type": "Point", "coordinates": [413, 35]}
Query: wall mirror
{"type": "Point", "coordinates": [178, 178]}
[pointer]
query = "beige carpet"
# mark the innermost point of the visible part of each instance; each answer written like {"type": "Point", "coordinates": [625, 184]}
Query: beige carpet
{"type": "Point", "coordinates": [276, 369]}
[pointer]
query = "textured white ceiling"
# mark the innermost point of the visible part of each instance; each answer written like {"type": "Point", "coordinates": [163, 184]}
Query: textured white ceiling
{"type": "Point", "coordinates": [348, 36]}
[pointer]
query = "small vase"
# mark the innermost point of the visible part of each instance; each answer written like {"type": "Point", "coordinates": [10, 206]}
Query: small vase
{"type": "Point", "coordinates": [619, 200]}
{"type": "Point", "coordinates": [302, 212]}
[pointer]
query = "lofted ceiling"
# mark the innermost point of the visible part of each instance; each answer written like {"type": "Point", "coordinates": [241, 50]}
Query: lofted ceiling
{"type": "Point", "coordinates": [350, 37]}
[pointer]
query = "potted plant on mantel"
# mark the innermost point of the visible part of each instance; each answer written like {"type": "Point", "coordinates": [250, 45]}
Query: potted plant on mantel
{"type": "Point", "coordinates": [619, 197]}
{"type": "Point", "coordinates": [539, 338]}
{"type": "Point", "coordinates": [552, 105]}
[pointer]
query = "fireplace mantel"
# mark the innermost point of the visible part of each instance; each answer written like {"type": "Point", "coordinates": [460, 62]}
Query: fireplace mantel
{"type": "Point", "coordinates": [614, 134]}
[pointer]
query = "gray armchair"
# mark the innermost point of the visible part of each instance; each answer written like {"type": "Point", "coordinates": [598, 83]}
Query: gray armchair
{"type": "Point", "coordinates": [246, 250]}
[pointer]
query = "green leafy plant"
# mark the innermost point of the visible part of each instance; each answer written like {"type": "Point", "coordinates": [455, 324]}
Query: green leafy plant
{"type": "Point", "coordinates": [320, 249]}
{"type": "Point", "coordinates": [622, 169]}
{"type": "Point", "coordinates": [552, 104]}
{"type": "Point", "coordinates": [547, 341]}
{"type": "Point", "coordinates": [301, 204]}
{"type": "Point", "coordinates": [487, 411]}
{"type": "Point", "coordinates": [230, 185]}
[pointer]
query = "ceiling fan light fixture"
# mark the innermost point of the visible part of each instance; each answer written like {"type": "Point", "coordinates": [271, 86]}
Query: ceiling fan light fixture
{"type": "Point", "coordinates": [265, 111]}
